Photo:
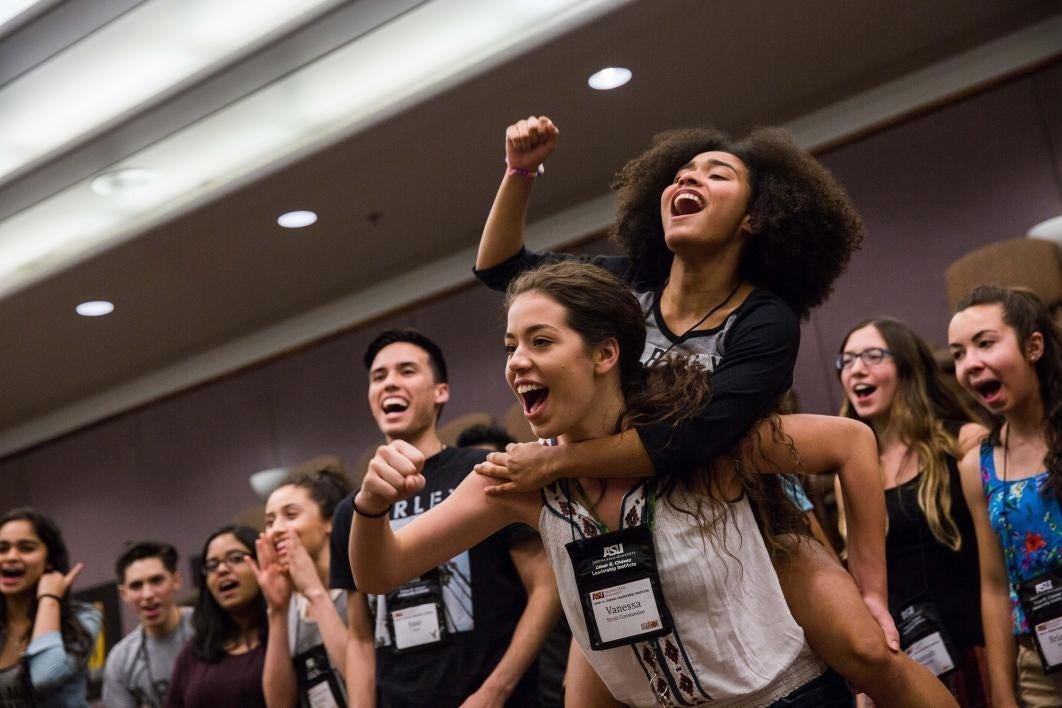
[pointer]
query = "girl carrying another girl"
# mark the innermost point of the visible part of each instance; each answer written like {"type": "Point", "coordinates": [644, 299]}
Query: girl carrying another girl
{"type": "Point", "coordinates": [727, 245]}
{"type": "Point", "coordinates": [666, 581]}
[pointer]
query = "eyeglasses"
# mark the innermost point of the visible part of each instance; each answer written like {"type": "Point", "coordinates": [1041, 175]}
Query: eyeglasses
{"type": "Point", "coordinates": [230, 559]}
{"type": "Point", "coordinates": [870, 357]}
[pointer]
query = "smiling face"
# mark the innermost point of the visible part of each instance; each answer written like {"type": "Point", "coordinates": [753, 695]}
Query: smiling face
{"type": "Point", "coordinates": [150, 589]}
{"type": "Point", "coordinates": [403, 395]}
{"type": "Point", "coordinates": [990, 362]}
{"type": "Point", "coordinates": [232, 582]}
{"type": "Point", "coordinates": [23, 558]}
{"type": "Point", "coordinates": [558, 378]}
{"type": "Point", "coordinates": [291, 510]}
{"type": "Point", "coordinates": [707, 204]}
{"type": "Point", "coordinates": [870, 388]}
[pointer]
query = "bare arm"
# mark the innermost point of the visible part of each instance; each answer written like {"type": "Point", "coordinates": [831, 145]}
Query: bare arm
{"type": "Point", "coordinates": [309, 584]}
{"type": "Point", "coordinates": [582, 685]}
{"type": "Point", "coordinates": [527, 144]}
{"type": "Point", "coordinates": [825, 443]}
{"type": "Point", "coordinates": [381, 560]}
{"type": "Point", "coordinates": [540, 615]}
{"type": "Point", "coordinates": [970, 436]}
{"type": "Point", "coordinates": [50, 664]}
{"type": "Point", "coordinates": [279, 684]}
{"type": "Point", "coordinates": [995, 590]}
{"type": "Point", "coordinates": [621, 455]}
{"type": "Point", "coordinates": [360, 659]}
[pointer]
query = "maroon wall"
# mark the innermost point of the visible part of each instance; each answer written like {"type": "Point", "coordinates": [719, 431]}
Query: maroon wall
{"type": "Point", "coordinates": [930, 189]}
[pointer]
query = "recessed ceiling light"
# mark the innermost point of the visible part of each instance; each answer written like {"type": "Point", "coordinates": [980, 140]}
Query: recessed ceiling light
{"type": "Point", "coordinates": [609, 78]}
{"type": "Point", "coordinates": [124, 181]}
{"type": "Point", "coordinates": [95, 308]}
{"type": "Point", "coordinates": [296, 219]}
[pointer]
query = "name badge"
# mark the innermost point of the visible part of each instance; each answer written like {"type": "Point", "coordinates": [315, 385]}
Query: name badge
{"type": "Point", "coordinates": [415, 614]}
{"type": "Point", "coordinates": [924, 638]}
{"type": "Point", "coordinates": [318, 683]}
{"type": "Point", "coordinates": [619, 588]}
{"type": "Point", "coordinates": [1041, 598]}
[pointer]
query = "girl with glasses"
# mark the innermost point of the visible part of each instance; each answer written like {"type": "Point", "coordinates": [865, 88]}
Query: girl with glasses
{"type": "Point", "coordinates": [46, 637]}
{"type": "Point", "coordinates": [892, 382]}
{"type": "Point", "coordinates": [1008, 355]}
{"type": "Point", "coordinates": [727, 244]}
{"type": "Point", "coordinates": [222, 664]}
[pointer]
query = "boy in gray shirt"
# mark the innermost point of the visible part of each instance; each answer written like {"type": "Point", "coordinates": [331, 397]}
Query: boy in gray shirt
{"type": "Point", "coordinates": [138, 668]}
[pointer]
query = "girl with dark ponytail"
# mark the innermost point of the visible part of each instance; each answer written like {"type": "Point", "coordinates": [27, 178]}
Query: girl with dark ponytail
{"type": "Point", "coordinates": [1008, 355]}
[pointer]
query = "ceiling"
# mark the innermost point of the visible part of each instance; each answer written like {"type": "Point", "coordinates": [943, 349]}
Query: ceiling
{"type": "Point", "coordinates": [213, 284]}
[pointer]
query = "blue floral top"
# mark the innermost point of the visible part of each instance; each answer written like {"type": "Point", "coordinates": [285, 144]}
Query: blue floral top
{"type": "Point", "coordinates": [1030, 531]}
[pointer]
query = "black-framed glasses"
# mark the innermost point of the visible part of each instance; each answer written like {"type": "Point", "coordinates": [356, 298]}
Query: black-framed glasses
{"type": "Point", "coordinates": [870, 357]}
{"type": "Point", "coordinates": [231, 559]}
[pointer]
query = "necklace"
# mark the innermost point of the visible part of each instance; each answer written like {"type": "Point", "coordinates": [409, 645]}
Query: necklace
{"type": "Point", "coordinates": [698, 323]}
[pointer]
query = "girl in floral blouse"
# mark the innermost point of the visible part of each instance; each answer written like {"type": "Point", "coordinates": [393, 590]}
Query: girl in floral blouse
{"type": "Point", "coordinates": [1008, 355]}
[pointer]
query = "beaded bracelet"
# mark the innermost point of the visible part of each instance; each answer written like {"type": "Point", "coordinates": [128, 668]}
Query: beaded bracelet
{"type": "Point", "coordinates": [359, 512]}
{"type": "Point", "coordinates": [521, 172]}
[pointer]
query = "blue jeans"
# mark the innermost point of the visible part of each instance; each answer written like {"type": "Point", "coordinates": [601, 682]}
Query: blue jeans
{"type": "Point", "coordinates": [827, 691]}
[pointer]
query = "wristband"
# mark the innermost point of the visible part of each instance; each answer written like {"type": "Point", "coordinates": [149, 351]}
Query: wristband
{"type": "Point", "coordinates": [521, 172]}
{"type": "Point", "coordinates": [359, 512]}
{"type": "Point", "coordinates": [43, 595]}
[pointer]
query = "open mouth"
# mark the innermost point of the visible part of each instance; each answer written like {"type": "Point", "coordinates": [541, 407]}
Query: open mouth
{"type": "Point", "coordinates": [150, 610]}
{"type": "Point", "coordinates": [228, 585]}
{"type": "Point", "coordinates": [394, 404]}
{"type": "Point", "coordinates": [863, 391]}
{"type": "Point", "coordinates": [686, 202]}
{"type": "Point", "coordinates": [533, 396]}
{"type": "Point", "coordinates": [11, 575]}
{"type": "Point", "coordinates": [988, 389]}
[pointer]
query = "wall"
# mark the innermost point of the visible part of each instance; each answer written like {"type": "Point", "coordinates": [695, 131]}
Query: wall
{"type": "Point", "coordinates": [930, 189]}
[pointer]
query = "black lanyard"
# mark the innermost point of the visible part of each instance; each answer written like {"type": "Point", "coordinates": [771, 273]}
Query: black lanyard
{"type": "Point", "coordinates": [682, 338]}
{"type": "Point", "coordinates": [142, 651]}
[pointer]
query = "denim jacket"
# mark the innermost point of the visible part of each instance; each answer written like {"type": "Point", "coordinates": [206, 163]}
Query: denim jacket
{"type": "Point", "coordinates": [59, 679]}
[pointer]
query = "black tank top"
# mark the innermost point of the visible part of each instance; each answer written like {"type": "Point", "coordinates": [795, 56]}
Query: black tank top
{"type": "Point", "coordinates": [920, 566]}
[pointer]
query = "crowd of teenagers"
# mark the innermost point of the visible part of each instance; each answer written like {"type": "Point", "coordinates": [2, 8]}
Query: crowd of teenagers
{"type": "Point", "coordinates": [653, 548]}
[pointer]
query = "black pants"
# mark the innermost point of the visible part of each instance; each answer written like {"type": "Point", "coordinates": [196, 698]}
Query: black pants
{"type": "Point", "coordinates": [827, 691]}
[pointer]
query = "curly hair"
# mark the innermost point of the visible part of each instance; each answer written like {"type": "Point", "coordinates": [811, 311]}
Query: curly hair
{"type": "Point", "coordinates": [804, 227]}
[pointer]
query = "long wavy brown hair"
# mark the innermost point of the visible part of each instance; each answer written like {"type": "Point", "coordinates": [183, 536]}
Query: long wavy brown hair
{"type": "Point", "coordinates": [1026, 313]}
{"type": "Point", "coordinates": [918, 416]}
{"type": "Point", "coordinates": [674, 389]}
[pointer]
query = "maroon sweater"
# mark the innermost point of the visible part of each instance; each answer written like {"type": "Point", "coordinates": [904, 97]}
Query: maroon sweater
{"type": "Point", "coordinates": [236, 680]}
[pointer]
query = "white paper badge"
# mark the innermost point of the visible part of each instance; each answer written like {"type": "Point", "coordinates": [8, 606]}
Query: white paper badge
{"type": "Point", "coordinates": [625, 610]}
{"type": "Point", "coordinates": [931, 653]}
{"type": "Point", "coordinates": [1050, 635]}
{"type": "Point", "coordinates": [416, 625]}
{"type": "Point", "coordinates": [320, 696]}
